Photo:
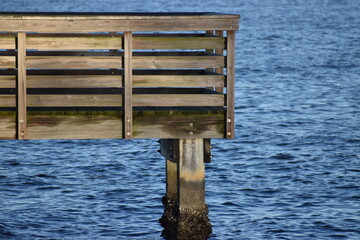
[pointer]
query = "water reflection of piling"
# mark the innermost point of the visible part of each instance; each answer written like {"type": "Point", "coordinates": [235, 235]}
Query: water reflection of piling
{"type": "Point", "coordinates": [185, 211]}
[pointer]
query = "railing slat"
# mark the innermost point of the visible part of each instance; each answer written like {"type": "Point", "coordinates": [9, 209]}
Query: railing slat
{"type": "Point", "coordinates": [7, 42]}
{"type": "Point", "coordinates": [7, 62]}
{"type": "Point", "coordinates": [74, 100]}
{"type": "Point", "coordinates": [73, 81]}
{"type": "Point", "coordinates": [158, 62]}
{"type": "Point", "coordinates": [177, 100]}
{"type": "Point", "coordinates": [73, 62]}
{"type": "Point", "coordinates": [7, 100]}
{"type": "Point", "coordinates": [178, 81]}
{"type": "Point", "coordinates": [75, 43]}
{"type": "Point", "coordinates": [178, 42]}
{"type": "Point", "coordinates": [8, 81]}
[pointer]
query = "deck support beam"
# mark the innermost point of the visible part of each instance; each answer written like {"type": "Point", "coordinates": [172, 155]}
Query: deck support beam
{"type": "Point", "coordinates": [185, 211]}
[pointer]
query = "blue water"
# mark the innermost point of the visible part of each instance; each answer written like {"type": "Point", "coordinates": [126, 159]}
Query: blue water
{"type": "Point", "coordinates": [293, 171]}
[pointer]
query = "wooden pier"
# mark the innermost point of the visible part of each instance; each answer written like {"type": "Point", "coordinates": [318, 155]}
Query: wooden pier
{"type": "Point", "coordinates": [125, 75]}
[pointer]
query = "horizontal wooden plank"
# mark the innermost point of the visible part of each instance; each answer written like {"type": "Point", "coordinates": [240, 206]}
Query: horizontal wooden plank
{"type": "Point", "coordinates": [73, 81]}
{"type": "Point", "coordinates": [7, 42]}
{"type": "Point", "coordinates": [155, 62]}
{"type": "Point", "coordinates": [73, 100]}
{"type": "Point", "coordinates": [7, 125]}
{"type": "Point", "coordinates": [178, 43]}
{"type": "Point", "coordinates": [75, 43]}
{"type": "Point", "coordinates": [115, 15]}
{"type": "Point", "coordinates": [74, 125]}
{"type": "Point", "coordinates": [108, 124]}
{"type": "Point", "coordinates": [167, 100]}
{"type": "Point", "coordinates": [178, 80]}
{"type": "Point", "coordinates": [178, 125]}
{"type": "Point", "coordinates": [7, 81]}
{"type": "Point", "coordinates": [117, 25]}
{"type": "Point", "coordinates": [7, 62]}
{"type": "Point", "coordinates": [7, 100]}
{"type": "Point", "coordinates": [73, 62]}
{"type": "Point", "coordinates": [140, 62]}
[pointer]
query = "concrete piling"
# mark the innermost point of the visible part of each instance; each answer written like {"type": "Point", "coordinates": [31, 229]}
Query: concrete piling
{"type": "Point", "coordinates": [185, 211]}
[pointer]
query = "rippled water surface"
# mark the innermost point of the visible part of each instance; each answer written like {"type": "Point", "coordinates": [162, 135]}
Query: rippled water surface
{"type": "Point", "coordinates": [293, 171]}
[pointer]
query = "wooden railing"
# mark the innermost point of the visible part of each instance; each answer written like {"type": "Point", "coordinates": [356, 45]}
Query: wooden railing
{"type": "Point", "coordinates": [117, 75]}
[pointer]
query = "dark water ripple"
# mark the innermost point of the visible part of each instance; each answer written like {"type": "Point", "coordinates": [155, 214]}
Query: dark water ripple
{"type": "Point", "coordinates": [291, 173]}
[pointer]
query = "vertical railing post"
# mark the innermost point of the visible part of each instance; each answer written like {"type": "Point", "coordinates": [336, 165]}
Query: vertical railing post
{"type": "Point", "coordinates": [128, 116]}
{"type": "Point", "coordinates": [219, 52]}
{"type": "Point", "coordinates": [230, 83]}
{"type": "Point", "coordinates": [21, 86]}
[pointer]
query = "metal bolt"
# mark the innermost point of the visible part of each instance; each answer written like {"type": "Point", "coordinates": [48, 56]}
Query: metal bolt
{"type": "Point", "coordinates": [22, 134]}
{"type": "Point", "coordinates": [211, 156]}
{"type": "Point", "coordinates": [128, 133]}
{"type": "Point", "coordinates": [191, 133]}
{"type": "Point", "coordinates": [211, 146]}
{"type": "Point", "coordinates": [191, 124]}
{"type": "Point", "coordinates": [22, 120]}
{"type": "Point", "coordinates": [229, 133]}
{"type": "Point", "coordinates": [128, 120]}
{"type": "Point", "coordinates": [229, 120]}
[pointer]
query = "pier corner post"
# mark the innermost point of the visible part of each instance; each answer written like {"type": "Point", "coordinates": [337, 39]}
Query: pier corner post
{"type": "Point", "coordinates": [185, 211]}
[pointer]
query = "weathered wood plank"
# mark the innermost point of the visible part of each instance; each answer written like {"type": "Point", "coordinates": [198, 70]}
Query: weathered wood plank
{"type": "Point", "coordinates": [154, 62]}
{"type": "Point", "coordinates": [178, 80]}
{"type": "Point", "coordinates": [108, 124]}
{"type": "Point", "coordinates": [230, 84]}
{"type": "Point", "coordinates": [21, 86]}
{"type": "Point", "coordinates": [7, 42]}
{"type": "Point", "coordinates": [128, 97]}
{"type": "Point", "coordinates": [73, 100]}
{"type": "Point", "coordinates": [7, 61]}
{"type": "Point", "coordinates": [74, 43]}
{"type": "Point", "coordinates": [73, 81]}
{"type": "Point", "coordinates": [114, 16]}
{"type": "Point", "coordinates": [73, 62]}
{"type": "Point", "coordinates": [178, 125]}
{"type": "Point", "coordinates": [178, 42]}
{"type": "Point", "coordinates": [117, 25]}
{"type": "Point", "coordinates": [7, 81]}
{"type": "Point", "coordinates": [167, 100]}
{"type": "Point", "coordinates": [78, 125]}
{"type": "Point", "coordinates": [219, 52]}
{"type": "Point", "coordinates": [7, 100]}
{"type": "Point", "coordinates": [7, 125]}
